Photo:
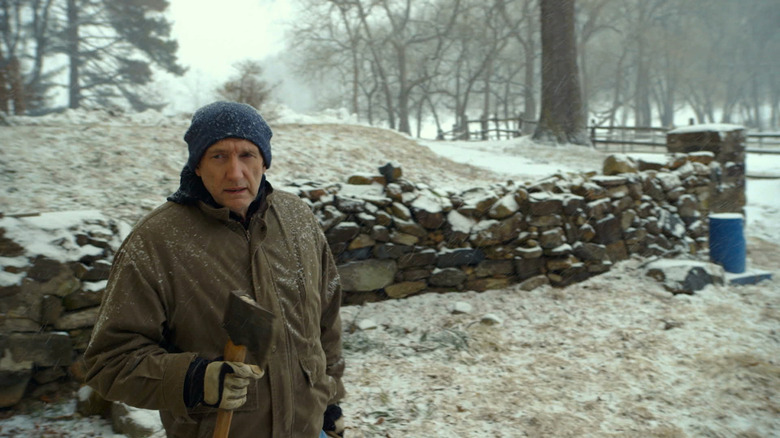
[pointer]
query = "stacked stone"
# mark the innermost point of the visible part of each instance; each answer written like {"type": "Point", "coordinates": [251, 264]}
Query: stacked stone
{"type": "Point", "coordinates": [392, 238]}
{"type": "Point", "coordinates": [726, 143]}
{"type": "Point", "coordinates": [49, 306]}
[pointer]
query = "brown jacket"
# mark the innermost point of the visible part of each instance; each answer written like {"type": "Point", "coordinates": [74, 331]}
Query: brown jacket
{"type": "Point", "coordinates": [165, 301]}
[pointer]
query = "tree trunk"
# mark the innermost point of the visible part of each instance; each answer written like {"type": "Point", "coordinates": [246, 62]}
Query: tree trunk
{"type": "Point", "coordinates": [4, 97]}
{"type": "Point", "coordinates": [529, 99]}
{"type": "Point", "coordinates": [562, 119]}
{"type": "Point", "coordinates": [642, 110]}
{"type": "Point", "coordinates": [74, 90]}
{"type": "Point", "coordinates": [403, 91]}
{"type": "Point", "coordinates": [18, 95]}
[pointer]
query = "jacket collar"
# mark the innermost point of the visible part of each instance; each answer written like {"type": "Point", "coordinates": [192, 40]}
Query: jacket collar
{"type": "Point", "coordinates": [192, 191]}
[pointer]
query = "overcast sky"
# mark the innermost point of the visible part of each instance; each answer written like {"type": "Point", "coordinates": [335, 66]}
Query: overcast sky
{"type": "Point", "coordinates": [214, 35]}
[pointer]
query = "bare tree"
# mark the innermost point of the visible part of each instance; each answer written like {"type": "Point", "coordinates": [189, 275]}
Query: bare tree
{"type": "Point", "coordinates": [562, 119]}
{"type": "Point", "coordinates": [247, 86]}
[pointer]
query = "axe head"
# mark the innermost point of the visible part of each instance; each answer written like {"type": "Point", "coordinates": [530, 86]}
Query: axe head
{"type": "Point", "coordinates": [249, 325]}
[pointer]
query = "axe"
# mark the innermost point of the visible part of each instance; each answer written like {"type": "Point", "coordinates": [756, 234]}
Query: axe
{"type": "Point", "coordinates": [249, 327]}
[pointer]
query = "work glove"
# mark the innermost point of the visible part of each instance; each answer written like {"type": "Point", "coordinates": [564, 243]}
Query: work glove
{"type": "Point", "coordinates": [333, 422]}
{"type": "Point", "coordinates": [225, 383]}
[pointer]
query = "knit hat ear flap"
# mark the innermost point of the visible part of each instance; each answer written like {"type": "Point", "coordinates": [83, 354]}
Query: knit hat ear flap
{"type": "Point", "coordinates": [221, 120]}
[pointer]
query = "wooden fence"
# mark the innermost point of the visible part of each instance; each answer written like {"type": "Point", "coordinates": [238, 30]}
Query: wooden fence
{"type": "Point", "coordinates": [653, 140]}
{"type": "Point", "coordinates": [489, 129]}
{"type": "Point", "coordinates": [608, 138]}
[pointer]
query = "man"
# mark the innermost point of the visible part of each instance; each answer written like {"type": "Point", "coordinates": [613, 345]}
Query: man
{"type": "Point", "coordinates": [159, 337]}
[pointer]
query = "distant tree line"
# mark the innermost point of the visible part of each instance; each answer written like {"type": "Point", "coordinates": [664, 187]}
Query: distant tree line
{"type": "Point", "coordinates": [639, 61]}
{"type": "Point", "coordinates": [102, 51]}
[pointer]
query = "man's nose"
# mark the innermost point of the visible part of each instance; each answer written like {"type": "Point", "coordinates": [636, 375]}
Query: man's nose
{"type": "Point", "coordinates": [234, 169]}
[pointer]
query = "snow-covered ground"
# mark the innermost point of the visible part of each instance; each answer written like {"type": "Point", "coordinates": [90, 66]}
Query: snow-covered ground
{"type": "Point", "coordinates": [615, 355]}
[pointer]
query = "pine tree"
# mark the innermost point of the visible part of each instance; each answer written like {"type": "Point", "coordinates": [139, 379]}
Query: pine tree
{"type": "Point", "coordinates": [112, 46]}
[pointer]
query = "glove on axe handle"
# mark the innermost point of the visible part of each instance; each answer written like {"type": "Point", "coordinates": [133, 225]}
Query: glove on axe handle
{"type": "Point", "coordinates": [249, 327]}
{"type": "Point", "coordinates": [233, 353]}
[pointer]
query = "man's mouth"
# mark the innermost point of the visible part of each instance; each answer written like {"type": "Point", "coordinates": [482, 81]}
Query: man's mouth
{"type": "Point", "coordinates": [236, 190]}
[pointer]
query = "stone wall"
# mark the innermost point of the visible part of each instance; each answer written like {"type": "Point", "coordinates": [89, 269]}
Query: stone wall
{"type": "Point", "coordinates": [54, 272]}
{"type": "Point", "coordinates": [727, 144]}
{"type": "Point", "coordinates": [391, 238]}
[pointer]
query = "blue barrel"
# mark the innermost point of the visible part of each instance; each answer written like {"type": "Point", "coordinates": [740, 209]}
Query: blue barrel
{"type": "Point", "coordinates": [727, 241]}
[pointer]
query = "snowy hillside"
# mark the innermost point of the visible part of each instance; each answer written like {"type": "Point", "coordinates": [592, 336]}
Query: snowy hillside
{"type": "Point", "coordinates": [616, 355]}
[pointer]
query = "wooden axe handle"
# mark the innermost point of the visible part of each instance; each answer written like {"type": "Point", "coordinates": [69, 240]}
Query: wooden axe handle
{"type": "Point", "coordinates": [233, 353]}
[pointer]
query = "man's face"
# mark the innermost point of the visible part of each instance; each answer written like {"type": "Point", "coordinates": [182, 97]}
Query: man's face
{"type": "Point", "coordinates": [231, 170]}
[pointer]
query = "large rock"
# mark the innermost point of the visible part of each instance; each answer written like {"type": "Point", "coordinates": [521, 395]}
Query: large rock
{"type": "Point", "coordinates": [534, 282]}
{"type": "Point", "coordinates": [391, 171]}
{"type": "Point", "coordinates": [15, 373]}
{"type": "Point", "coordinates": [44, 269]}
{"type": "Point", "coordinates": [367, 275]}
{"type": "Point", "coordinates": [544, 204]}
{"type": "Point", "coordinates": [361, 241]}
{"type": "Point", "coordinates": [418, 257]}
{"type": "Point", "coordinates": [404, 289]}
{"type": "Point", "coordinates": [98, 271]}
{"type": "Point", "coordinates": [607, 230]}
{"type": "Point", "coordinates": [487, 283]}
{"type": "Point", "coordinates": [685, 276]}
{"type": "Point", "coordinates": [410, 227]}
{"type": "Point", "coordinates": [78, 319]}
{"type": "Point", "coordinates": [590, 251]}
{"type": "Point", "coordinates": [504, 207]}
{"type": "Point", "coordinates": [390, 250]}
{"type": "Point", "coordinates": [401, 211]}
{"type": "Point", "coordinates": [552, 238]}
{"type": "Point", "coordinates": [476, 202]}
{"type": "Point", "coordinates": [618, 163]}
{"type": "Point", "coordinates": [329, 217]}
{"type": "Point", "coordinates": [460, 226]}
{"type": "Point", "coordinates": [459, 257]}
{"type": "Point", "coordinates": [447, 277]}
{"type": "Point", "coordinates": [429, 209]}
{"type": "Point", "coordinates": [527, 268]}
{"type": "Point", "coordinates": [490, 268]}
{"type": "Point", "coordinates": [343, 232]}
{"type": "Point", "coordinates": [493, 232]}
{"type": "Point", "coordinates": [63, 283]}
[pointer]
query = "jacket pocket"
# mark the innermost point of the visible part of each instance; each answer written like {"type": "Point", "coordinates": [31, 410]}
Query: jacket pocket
{"type": "Point", "coordinates": [321, 384]}
{"type": "Point", "coordinates": [312, 370]}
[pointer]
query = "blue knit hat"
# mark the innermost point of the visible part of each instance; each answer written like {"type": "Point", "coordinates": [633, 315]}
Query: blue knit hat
{"type": "Point", "coordinates": [220, 120]}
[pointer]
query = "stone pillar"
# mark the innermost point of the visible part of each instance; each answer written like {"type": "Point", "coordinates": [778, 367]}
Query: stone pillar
{"type": "Point", "coordinates": [727, 144]}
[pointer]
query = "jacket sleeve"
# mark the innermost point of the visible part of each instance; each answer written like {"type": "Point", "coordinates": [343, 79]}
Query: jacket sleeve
{"type": "Point", "coordinates": [330, 322]}
{"type": "Point", "coordinates": [126, 359]}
